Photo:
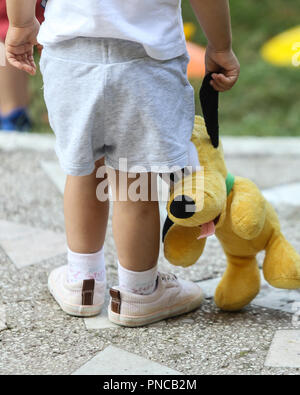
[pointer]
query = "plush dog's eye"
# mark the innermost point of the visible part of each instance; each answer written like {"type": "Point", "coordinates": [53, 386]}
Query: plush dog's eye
{"type": "Point", "coordinates": [183, 207]}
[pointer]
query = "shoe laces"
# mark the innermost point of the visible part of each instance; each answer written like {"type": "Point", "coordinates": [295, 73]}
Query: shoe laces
{"type": "Point", "coordinates": [168, 276]}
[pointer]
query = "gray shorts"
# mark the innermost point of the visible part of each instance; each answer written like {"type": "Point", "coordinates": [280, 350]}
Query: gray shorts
{"type": "Point", "coordinates": [107, 98]}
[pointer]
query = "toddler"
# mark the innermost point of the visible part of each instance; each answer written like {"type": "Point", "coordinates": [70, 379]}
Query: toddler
{"type": "Point", "coordinates": [117, 94]}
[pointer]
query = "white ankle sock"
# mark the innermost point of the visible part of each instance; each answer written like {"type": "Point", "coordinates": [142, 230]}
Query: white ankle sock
{"type": "Point", "coordinates": [141, 283]}
{"type": "Point", "coordinates": [86, 266]}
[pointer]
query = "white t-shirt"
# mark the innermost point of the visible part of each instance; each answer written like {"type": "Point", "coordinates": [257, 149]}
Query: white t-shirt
{"type": "Point", "coordinates": [156, 24]}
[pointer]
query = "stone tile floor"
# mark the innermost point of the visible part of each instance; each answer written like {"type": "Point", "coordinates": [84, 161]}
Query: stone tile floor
{"type": "Point", "coordinates": [285, 349]}
{"type": "Point", "coordinates": [37, 338]}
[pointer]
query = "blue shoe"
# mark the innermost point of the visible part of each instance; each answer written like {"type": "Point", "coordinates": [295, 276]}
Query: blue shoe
{"type": "Point", "coordinates": [17, 121]}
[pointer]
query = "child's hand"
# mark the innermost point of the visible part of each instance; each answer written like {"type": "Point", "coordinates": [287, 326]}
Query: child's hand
{"type": "Point", "coordinates": [19, 45]}
{"type": "Point", "coordinates": [224, 66]}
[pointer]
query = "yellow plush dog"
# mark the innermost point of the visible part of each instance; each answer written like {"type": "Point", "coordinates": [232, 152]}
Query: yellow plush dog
{"type": "Point", "coordinates": [243, 221]}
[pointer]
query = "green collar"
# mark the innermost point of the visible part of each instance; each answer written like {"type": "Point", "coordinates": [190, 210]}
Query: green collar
{"type": "Point", "coordinates": [229, 183]}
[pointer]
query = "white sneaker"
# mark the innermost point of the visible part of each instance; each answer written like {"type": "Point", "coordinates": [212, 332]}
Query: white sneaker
{"type": "Point", "coordinates": [171, 298]}
{"type": "Point", "coordinates": [82, 299]}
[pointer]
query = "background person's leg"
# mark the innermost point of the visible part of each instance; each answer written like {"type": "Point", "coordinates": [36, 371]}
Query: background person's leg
{"type": "Point", "coordinates": [14, 89]}
{"type": "Point", "coordinates": [13, 96]}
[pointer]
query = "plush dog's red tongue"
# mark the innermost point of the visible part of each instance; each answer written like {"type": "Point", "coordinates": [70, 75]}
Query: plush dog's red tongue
{"type": "Point", "coordinates": [207, 230]}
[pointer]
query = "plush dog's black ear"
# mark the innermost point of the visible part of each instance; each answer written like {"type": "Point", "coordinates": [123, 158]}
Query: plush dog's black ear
{"type": "Point", "coordinates": [209, 99]}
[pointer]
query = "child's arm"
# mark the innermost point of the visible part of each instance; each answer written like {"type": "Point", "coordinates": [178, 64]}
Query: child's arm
{"type": "Point", "coordinates": [22, 33]}
{"type": "Point", "coordinates": [214, 18]}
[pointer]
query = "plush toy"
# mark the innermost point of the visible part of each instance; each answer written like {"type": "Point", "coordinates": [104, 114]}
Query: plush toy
{"type": "Point", "coordinates": [214, 201]}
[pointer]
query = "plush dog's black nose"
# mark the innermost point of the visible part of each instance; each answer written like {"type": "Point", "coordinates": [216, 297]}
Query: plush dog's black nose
{"type": "Point", "coordinates": [183, 207]}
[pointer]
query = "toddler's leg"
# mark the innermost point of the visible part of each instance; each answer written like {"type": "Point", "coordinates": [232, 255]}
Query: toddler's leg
{"type": "Point", "coordinates": [86, 221]}
{"type": "Point", "coordinates": [144, 295]}
{"type": "Point", "coordinates": [79, 287]}
{"type": "Point", "coordinates": [85, 216]}
{"type": "Point", "coordinates": [136, 228]}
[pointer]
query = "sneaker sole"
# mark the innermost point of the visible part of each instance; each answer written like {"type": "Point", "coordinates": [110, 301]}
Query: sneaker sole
{"type": "Point", "coordinates": [134, 321]}
{"type": "Point", "coordinates": [76, 310]}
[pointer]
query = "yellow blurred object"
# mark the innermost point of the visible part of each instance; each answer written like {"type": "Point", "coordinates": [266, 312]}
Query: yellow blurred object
{"type": "Point", "coordinates": [284, 49]}
{"type": "Point", "coordinates": [189, 30]}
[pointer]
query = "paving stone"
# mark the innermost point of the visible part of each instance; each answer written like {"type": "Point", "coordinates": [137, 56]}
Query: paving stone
{"type": "Point", "coordinates": [264, 170]}
{"type": "Point", "coordinates": [101, 321]}
{"type": "Point", "coordinates": [278, 299]}
{"type": "Point", "coordinates": [2, 318]}
{"type": "Point", "coordinates": [285, 350]}
{"type": "Point", "coordinates": [12, 230]}
{"type": "Point", "coordinates": [27, 141]}
{"type": "Point", "coordinates": [269, 297]}
{"type": "Point", "coordinates": [209, 286]}
{"type": "Point", "coordinates": [26, 245]}
{"type": "Point", "coordinates": [261, 146]}
{"type": "Point", "coordinates": [285, 194]}
{"type": "Point", "coordinates": [55, 173]}
{"type": "Point", "coordinates": [116, 361]}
